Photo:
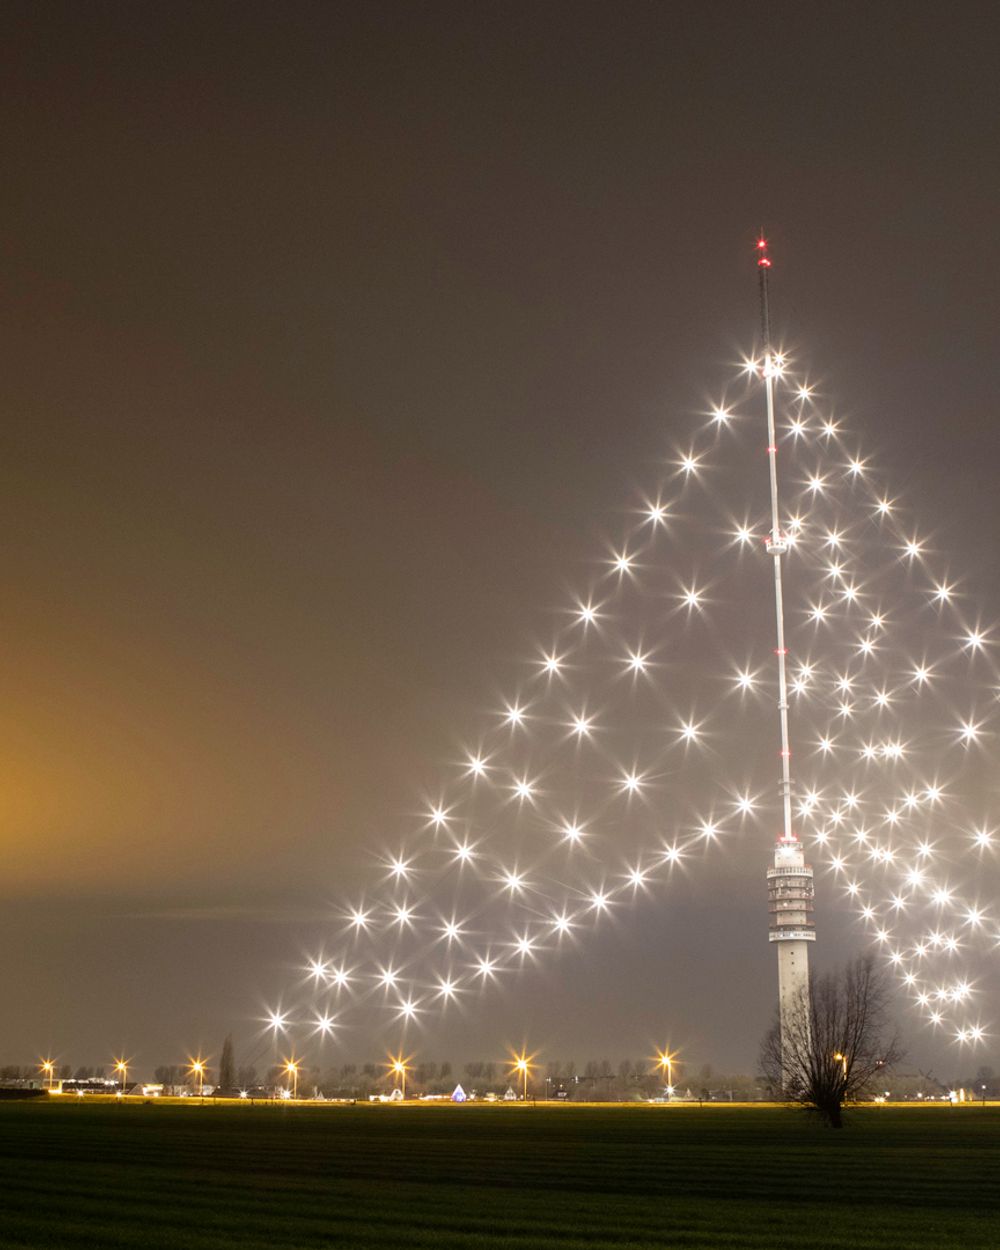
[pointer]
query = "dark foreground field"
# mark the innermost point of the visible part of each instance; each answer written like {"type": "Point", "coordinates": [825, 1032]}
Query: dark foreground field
{"type": "Point", "coordinates": [524, 1177]}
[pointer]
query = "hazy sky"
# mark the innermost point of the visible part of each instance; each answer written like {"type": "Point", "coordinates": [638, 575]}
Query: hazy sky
{"type": "Point", "coordinates": [333, 334]}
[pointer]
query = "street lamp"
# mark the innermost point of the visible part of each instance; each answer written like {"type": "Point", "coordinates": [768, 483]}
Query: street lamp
{"type": "Point", "coordinates": [843, 1060]}
{"type": "Point", "coordinates": [48, 1067]}
{"type": "Point", "coordinates": [198, 1069]}
{"type": "Point", "coordinates": [292, 1070]}
{"type": "Point", "coordinates": [522, 1065]}
{"type": "Point", "coordinates": [121, 1065]}
{"type": "Point", "coordinates": [665, 1062]}
{"type": "Point", "coordinates": [399, 1069]}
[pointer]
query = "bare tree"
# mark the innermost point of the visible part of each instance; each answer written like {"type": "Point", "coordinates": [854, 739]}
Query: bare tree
{"type": "Point", "coordinates": [837, 1040]}
{"type": "Point", "coordinates": [227, 1065]}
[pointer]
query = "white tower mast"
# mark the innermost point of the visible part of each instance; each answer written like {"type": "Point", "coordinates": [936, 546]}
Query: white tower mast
{"type": "Point", "coordinates": [790, 880]}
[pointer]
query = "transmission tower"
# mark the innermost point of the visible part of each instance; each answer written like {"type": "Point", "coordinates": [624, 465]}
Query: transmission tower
{"type": "Point", "coordinates": [790, 878]}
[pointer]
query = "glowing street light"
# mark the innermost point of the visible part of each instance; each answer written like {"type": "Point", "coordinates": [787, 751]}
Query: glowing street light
{"type": "Point", "coordinates": [198, 1069]}
{"type": "Point", "coordinates": [665, 1062]}
{"type": "Point", "coordinates": [842, 1060]}
{"type": "Point", "coordinates": [292, 1070]}
{"type": "Point", "coordinates": [522, 1065]}
{"type": "Point", "coordinates": [399, 1067]}
{"type": "Point", "coordinates": [121, 1065]}
{"type": "Point", "coordinates": [48, 1067]}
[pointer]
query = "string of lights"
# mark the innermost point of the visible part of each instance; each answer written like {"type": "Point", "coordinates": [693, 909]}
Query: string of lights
{"type": "Point", "coordinates": [628, 751]}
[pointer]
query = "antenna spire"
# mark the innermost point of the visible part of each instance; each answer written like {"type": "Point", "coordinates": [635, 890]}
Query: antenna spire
{"type": "Point", "coordinates": [763, 265]}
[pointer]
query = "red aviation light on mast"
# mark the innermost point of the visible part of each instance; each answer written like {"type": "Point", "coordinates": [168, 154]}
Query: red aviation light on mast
{"type": "Point", "coordinates": [763, 261]}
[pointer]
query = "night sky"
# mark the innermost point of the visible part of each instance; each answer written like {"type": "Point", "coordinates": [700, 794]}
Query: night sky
{"type": "Point", "coordinates": [334, 339]}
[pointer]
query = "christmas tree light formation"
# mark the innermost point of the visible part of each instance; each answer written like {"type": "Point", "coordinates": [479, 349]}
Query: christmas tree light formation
{"type": "Point", "coordinates": [633, 747]}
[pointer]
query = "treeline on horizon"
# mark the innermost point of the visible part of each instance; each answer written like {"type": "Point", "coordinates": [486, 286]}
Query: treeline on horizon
{"type": "Point", "coordinates": [595, 1080]}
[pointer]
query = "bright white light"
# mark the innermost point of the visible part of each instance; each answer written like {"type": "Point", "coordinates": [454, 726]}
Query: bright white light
{"type": "Point", "coordinates": [636, 662]}
{"type": "Point", "coordinates": [691, 598]}
{"type": "Point", "coordinates": [572, 833]}
{"type": "Point", "coordinates": [746, 680]}
{"type": "Point", "coordinates": [599, 901]}
{"type": "Point", "coordinates": [439, 816]}
{"type": "Point", "coordinates": [581, 726]}
{"type": "Point", "coordinates": [586, 614]}
{"type": "Point", "coordinates": [636, 878]}
{"type": "Point", "coordinates": [464, 853]}
{"type": "Point", "coordinates": [884, 507]}
{"type": "Point", "coordinates": [974, 640]}
{"type": "Point", "coordinates": [477, 767]}
{"type": "Point", "coordinates": [486, 968]}
{"type": "Point", "coordinates": [276, 1019]}
{"type": "Point", "coordinates": [803, 392]}
{"type": "Point", "coordinates": [656, 513]}
{"type": "Point", "coordinates": [403, 915]}
{"type": "Point", "coordinates": [523, 789]}
{"type": "Point", "coordinates": [452, 930]}
{"type": "Point", "coordinates": [721, 415]}
{"type": "Point", "coordinates": [942, 592]}
{"type": "Point", "coordinates": [856, 467]}
{"type": "Point", "coordinates": [688, 464]}
{"type": "Point", "coordinates": [324, 1025]}
{"type": "Point", "coordinates": [398, 868]}
{"type": "Point", "coordinates": [632, 783]}
{"type": "Point", "coordinates": [689, 731]}
{"type": "Point", "coordinates": [446, 988]}
{"type": "Point", "coordinates": [513, 716]}
{"type": "Point", "coordinates": [622, 563]}
{"type": "Point", "coordinates": [552, 663]}
{"type": "Point", "coordinates": [359, 919]}
{"type": "Point", "coordinates": [514, 881]}
{"type": "Point", "coordinates": [913, 548]}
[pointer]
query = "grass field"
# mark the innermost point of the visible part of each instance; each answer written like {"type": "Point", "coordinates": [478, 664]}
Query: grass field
{"type": "Point", "coordinates": [521, 1177]}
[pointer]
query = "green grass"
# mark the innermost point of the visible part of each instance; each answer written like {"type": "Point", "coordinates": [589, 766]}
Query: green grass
{"type": "Point", "coordinates": [564, 1178]}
